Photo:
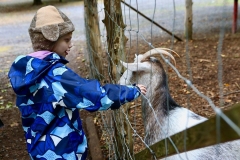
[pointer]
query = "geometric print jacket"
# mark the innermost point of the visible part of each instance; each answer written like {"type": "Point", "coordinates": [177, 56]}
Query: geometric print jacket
{"type": "Point", "coordinates": [49, 96]}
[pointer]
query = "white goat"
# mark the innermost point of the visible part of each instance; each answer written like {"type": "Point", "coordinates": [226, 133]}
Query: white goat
{"type": "Point", "coordinates": [172, 118]}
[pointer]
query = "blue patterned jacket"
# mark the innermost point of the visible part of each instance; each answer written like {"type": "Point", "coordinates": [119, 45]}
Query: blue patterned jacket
{"type": "Point", "coordinates": [49, 95]}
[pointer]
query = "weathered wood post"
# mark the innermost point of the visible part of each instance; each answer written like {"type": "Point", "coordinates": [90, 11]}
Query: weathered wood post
{"type": "Point", "coordinates": [116, 48]}
{"type": "Point", "coordinates": [188, 19]}
{"type": "Point", "coordinates": [235, 15]}
{"type": "Point", "coordinates": [94, 45]}
{"type": "Point", "coordinates": [115, 36]}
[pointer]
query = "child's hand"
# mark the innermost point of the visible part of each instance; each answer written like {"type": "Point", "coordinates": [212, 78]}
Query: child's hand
{"type": "Point", "coordinates": [142, 88]}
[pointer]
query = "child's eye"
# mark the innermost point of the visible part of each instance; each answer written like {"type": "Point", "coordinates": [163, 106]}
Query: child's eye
{"type": "Point", "coordinates": [68, 40]}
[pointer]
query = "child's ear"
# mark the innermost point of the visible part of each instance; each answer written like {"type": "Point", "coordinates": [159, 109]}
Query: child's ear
{"type": "Point", "coordinates": [51, 32]}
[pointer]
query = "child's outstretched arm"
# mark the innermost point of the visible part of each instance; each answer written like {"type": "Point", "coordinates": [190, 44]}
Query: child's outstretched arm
{"type": "Point", "coordinates": [91, 95]}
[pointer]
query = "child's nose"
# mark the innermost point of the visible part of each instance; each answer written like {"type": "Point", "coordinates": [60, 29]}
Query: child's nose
{"type": "Point", "coordinates": [70, 45]}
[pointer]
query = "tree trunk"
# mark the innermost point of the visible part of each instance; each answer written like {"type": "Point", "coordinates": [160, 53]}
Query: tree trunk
{"type": "Point", "coordinates": [188, 19]}
{"type": "Point", "coordinates": [116, 48]}
{"type": "Point", "coordinates": [93, 39]}
{"type": "Point", "coordinates": [235, 15]}
{"type": "Point", "coordinates": [37, 2]}
{"type": "Point", "coordinates": [115, 36]}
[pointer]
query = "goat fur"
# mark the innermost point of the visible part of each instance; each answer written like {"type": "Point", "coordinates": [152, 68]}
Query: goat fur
{"type": "Point", "coordinates": [148, 70]}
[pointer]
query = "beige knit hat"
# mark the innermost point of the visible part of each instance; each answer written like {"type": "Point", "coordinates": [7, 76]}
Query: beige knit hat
{"type": "Point", "coordinates": [48, 24]}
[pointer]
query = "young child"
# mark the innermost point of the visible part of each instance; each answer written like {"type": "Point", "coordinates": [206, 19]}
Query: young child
{"type": "Point", "coordinates": [49, 93]}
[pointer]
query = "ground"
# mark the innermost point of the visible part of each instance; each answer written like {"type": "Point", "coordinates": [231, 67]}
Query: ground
{"type": "Point", "coordinates": [205, 78]}
{"type": "Point", "coordinates": [204, 73]}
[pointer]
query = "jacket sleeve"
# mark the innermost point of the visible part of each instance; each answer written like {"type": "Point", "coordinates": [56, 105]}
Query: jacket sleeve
{"type": "Point", "coordinates": [77, 92]}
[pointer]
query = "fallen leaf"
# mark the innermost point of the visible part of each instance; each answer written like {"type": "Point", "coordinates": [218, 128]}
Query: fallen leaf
{"type": "Point", "coordinates": [228, 100]}
{"type": "Point", "coordinates": [236, 56]}
{"type": "Point", "coordinates": [210, 94]}
{"type": "Point", "coordinates": [204, 60]}
{"type": "Point", "coordinates": [187, 92]}
{"type": "Point", "coordinates": [226, 84]}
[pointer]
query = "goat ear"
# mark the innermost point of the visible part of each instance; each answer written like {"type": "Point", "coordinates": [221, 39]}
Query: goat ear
{"type": "Point", "coordinates": [138, 58]}
{"type": "Point", "coordinates": [145, 66]}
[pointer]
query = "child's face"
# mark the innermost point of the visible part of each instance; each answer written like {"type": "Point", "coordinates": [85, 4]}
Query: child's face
{"type": "Point", "coordinates": [63, 45]}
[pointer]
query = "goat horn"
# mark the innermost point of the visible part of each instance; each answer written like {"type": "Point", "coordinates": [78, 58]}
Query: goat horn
{"type": "Point", "coordinates": [167, 49]}
{"type": "Point", "coordinates": [157, 51]}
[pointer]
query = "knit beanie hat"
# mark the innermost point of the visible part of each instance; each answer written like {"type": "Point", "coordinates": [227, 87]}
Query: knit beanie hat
{"type": "Point", "coordinates": [48, 24]}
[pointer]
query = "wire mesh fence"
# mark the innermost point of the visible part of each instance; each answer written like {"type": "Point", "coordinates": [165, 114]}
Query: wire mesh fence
{"type": "Point", "coordinates": [205, 79]}
{"type": "Point", "coordinates": [146, 22]}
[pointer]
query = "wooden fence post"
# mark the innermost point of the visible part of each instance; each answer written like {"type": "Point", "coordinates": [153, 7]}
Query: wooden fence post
{"type": "Point", "coordinates": [188, 19]}
{"type": "Point", "coordinates": [235, 15]}
{"type": "Point", "coordinates": [115, 36]}
{"type": "Point", "coordinates": [94, 143]}
{"type": "Point", "coordinates": [116, 47]}
{"type": "Point", "coordinates": [94, 45]}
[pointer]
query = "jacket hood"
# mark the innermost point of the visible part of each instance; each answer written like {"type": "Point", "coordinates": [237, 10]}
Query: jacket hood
{"type": "Point", "coordinates": [28, 70]}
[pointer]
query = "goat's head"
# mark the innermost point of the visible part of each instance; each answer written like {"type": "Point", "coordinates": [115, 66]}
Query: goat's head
{"type": "Point", "coordinates": [146, 68]}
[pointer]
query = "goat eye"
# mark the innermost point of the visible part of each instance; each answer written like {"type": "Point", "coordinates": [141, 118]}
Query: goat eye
{"type": "Point", "coordinates": [134, 72]}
